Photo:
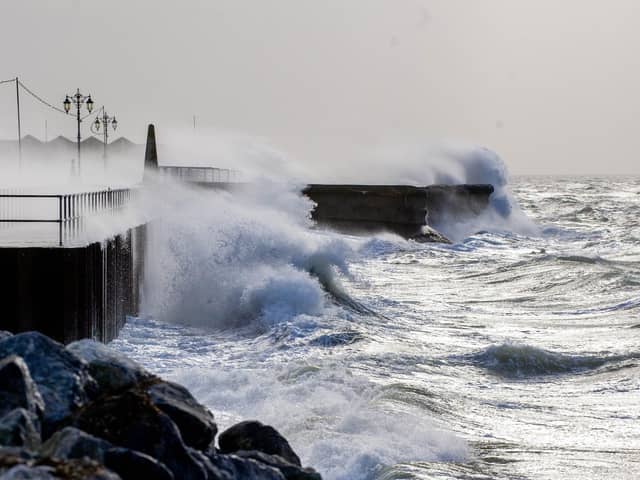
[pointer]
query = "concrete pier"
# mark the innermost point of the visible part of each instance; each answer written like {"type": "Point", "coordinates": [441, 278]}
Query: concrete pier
{"type": "Point", "coordinates": [64, 272]}
{"type": "Point", "coordinates": [72, 293]}
{"type": "Point", "coordinates": [400, 209]}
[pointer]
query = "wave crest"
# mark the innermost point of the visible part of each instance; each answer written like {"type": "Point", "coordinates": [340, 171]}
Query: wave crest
{"type": "Point", "coordinates": [223, 261]}
{"type": "Point", "coordinates": [517, 360]}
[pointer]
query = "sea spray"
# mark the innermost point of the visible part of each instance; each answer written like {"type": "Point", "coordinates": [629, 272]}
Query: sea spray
{"type": "Point", "coordinates": [224, 260]}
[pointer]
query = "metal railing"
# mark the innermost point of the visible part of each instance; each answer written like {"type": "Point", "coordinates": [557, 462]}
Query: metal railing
{"type": "Point", "coordinates": [200, 174]}
{"type": "Point", "coordinates": [66, 210]}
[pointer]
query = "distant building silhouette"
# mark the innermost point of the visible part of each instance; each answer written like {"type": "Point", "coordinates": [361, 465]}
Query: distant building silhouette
{"type": "Point", "coordinates": [66, 148]}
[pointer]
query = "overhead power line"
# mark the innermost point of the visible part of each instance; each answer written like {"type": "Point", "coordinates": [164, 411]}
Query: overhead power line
{"type": "Point", "coordinates": [40, 98]}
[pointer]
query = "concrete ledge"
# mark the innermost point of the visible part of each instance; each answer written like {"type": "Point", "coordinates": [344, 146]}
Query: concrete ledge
{"type": "Point", "coordinates": [400, 209]}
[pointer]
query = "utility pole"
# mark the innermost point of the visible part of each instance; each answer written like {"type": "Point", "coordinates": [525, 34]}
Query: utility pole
{"type": "Point", "coordinates": [19, 126]}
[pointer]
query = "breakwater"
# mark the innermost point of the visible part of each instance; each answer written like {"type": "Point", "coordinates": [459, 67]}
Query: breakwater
{"type": "Point", "coordinates": [85, 411]}
{"type": "Point", "coordinates": [401, 209]}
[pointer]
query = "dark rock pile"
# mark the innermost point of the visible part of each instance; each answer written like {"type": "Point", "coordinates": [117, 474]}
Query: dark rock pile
{"type": "Point", "coordinates": [87, 412]}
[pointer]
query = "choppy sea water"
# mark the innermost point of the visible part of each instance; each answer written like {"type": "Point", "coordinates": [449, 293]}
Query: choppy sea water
{"type": "Point", "coordinates": [509, 354]}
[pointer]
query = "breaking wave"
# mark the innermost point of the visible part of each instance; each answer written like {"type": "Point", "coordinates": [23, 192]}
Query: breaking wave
{"type": "Point", "coordinates": [228, 261]}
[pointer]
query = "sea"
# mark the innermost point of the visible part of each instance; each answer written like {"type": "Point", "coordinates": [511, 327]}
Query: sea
{"type": "Point", "coordinates": [511, 353]}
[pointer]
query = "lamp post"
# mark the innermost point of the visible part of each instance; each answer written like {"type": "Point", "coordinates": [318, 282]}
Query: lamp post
{"type": "Point", "coordinates": [78, 99]}
{"type": "Point", "coordinates": [104, 120]}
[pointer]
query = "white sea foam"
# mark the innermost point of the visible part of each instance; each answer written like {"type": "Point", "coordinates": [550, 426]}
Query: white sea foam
{"type": "Point", "coordinates": [223, 260]}
{"type": "Point", "coordinates": [330, 416]}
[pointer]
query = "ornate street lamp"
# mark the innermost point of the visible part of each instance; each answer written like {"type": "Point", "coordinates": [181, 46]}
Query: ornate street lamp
{"type": "Point", "coordinates": [103, 121]}
{"type": "Point", "coordinates": [78, 99]}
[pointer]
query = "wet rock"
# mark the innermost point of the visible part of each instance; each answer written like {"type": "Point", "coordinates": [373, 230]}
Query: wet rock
{"type": "Point", "coordinates": [235, 467]}
{"type": "Point", "coordinates": [132, 465]}
{"type": "Point", "coordinates": [112, 370]}
{"type": "Point", "coordinates": [5, 334]}
{"type": "Point", "coordinates": [195, 422]}
{"type": "Point", "coordinates": [26, 472]}
{"type": "Point", "coordinates": [20, 464]}
{"type": "Point", "coordinates": [14, 455]}
{"type": "Point", "coordinates": [17, 388]}
{"type": "Point", "coordinates": [73, 443]}
{"type": "Point", "coordinates": [430, 235]}
{"type": "Point", "coordinates": [62, 378]}
{"type": "Point", "coordinates": [55, 469]}
{"type": "Point", "coordinates": [132, 421]}
{"type": "Point", "coordinates": [253, 435]}
{"type": "Point", "coordinates": [212, 471]}
{"type": "Point", "coordinates": [288, 470]}
{"type": "Point", "coordinates": [232, 467]}
{"type": "Point", "coordinates": [20, 428]}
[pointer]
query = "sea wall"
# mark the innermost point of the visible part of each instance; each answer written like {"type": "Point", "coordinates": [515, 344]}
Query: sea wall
{"type": "Point", "coordinates": [73, 292]}
{"type": "Point", "coordinates": [397, 208]}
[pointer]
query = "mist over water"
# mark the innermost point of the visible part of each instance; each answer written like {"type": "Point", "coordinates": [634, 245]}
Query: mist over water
{"type": "Point", "coordinates": [495, 357]}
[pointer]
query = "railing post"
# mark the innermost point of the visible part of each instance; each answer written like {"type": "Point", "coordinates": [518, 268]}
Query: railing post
{"type": "Point", "coordinates": [60, 220]}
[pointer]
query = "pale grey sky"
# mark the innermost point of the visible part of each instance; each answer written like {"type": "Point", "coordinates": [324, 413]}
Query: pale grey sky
{"type": "Point", "coordinates": [550, 85]}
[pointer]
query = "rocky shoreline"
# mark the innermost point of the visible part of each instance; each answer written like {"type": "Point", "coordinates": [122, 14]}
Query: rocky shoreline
{"type": "Point", "coordinates": [85, 411]}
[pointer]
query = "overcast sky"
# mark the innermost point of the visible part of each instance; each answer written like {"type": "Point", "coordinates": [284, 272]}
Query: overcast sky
{"type": "Point", "coordinates": [551, 85]}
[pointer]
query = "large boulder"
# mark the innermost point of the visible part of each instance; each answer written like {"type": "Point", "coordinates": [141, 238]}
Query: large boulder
{"type": "Point", "coordinates": [195, 422]}
{"type": "Point", "coordinates": [212, 471]}
{"type": "Point", "coordinates": [20, 428]}
{"type": "Point", "coordinates": [17, 388]}
{"type": "Point", "coordinates": [288, 470]}
{"type": "Point", "coordinates": [131, 420]}
{"type": "Point", "coordinates": [114, 373]}
{"type": "Point", "coordinates": [253, 435]}
{"type": "Point", "coordinates": [112, 370]}
{"type": "Point", "coordinates": [248, 468]}
{"type": "Point", "coordinates": [71, 442]}
{"type": "Point", "coordinates": [132, 465]}
{"type": "Point", "coordinates": [232, 467]}
{"type": "Point", "coordinates": [62, 378]}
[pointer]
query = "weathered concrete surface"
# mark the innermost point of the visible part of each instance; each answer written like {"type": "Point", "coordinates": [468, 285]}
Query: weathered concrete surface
{"type": "Point", "coordinates": [72, 293]}
{"type": "Point", "coordinates": [401, 209]}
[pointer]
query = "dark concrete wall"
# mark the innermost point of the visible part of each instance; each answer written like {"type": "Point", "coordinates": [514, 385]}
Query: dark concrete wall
{"type": "Point", "coordinates": [397, 208]}
{"type": "Point", "coordinates": [72, 293]}
{"type": "Point", "coordinates": [451, 203]}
